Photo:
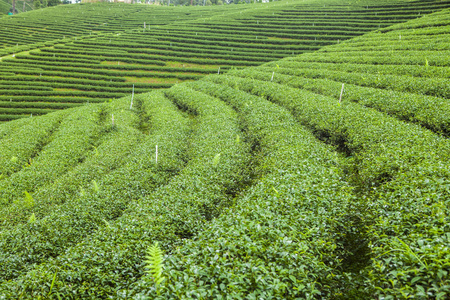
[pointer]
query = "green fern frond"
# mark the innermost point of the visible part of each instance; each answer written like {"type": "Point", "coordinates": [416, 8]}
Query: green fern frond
{"type": "Point", "coordinates": [28, 201]}
{"type": "Point", "coordinates": [95, 186]}
{"type": "Point", "coordinates": [216, 160]}
{"type": "Point", "coordinates": [32, 219]}
{"type": "Point", "coordinates": [154, 261]}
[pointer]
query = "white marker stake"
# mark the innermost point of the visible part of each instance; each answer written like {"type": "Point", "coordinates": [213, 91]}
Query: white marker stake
{"type": "Point", "coordinates": [156, 159]}
{"type": "Point", "coordinates": [132, 96]}
{"type": "Point", "coordinates": [272, 76]}
{"type": "Point", "coordinates": [112, 118]}
{"type": "Point", "coordinates": [342, 91]}
{"type": "Point", "coordinates": [218, 71]}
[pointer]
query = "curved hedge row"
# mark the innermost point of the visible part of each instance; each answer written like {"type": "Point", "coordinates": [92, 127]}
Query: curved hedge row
{"type": "Point", "coordinates": [81, 209]}
{"type": "Point", "coordinates": [204, 39]}
{"type": "Point", "coordinates": [171, 219]}
{"type": "Point", "coordinates": [251, 249]}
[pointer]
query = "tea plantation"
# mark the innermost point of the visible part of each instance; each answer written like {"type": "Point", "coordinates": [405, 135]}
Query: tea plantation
{"type": "Point", "coordinates": [71, 55]}
{"type": "Point", "coordinates": [323, 175]}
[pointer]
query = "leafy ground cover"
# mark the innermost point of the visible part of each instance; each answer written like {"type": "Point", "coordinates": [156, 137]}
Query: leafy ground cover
{"type": "Point", "coordinates": [319, 176]}
{"type": "Point", "coordinates": [101, 50]}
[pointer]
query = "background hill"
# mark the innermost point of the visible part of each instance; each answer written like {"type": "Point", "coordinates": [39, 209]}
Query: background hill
{"type": "Point", "coordinates": [95, 52]}
{"type": "Point", "coordinates": [323, 175]}
{"type": "Point", "coordinates": [4, 8]}
{"type": "Point", "coordinates": [6, 5]}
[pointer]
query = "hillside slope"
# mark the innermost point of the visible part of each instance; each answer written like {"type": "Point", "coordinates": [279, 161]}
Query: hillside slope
{"type": "Point", "coordinates": [4, 8]}
{"type": "Point", "coordinates": [270, 181]}
{"type": "Point", "coordinates": [109, 48]}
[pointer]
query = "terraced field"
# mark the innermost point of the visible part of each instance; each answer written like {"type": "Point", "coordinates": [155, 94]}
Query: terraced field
{"type": "Point", "coordinates": [103, 52]}
{"type": "Point", "coordinates": [319, 176]}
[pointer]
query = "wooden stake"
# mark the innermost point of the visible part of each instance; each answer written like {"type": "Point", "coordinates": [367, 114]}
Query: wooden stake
{"type": "Point", "coordinates": [156, 158]}
{"type": "Point", "coordinates": [342, 91]}
{"type": "Point", "coordinates": [218, 71]}
{"type": "Point", "coordinates": [132, 96]}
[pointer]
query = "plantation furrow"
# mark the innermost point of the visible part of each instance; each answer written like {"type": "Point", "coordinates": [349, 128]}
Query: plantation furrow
{"type": "Point", "coordinates": [65, 148]}
{"type": "Point", "coordinates": [4, 88]}
{"type": "Point", "coordinates": [319, 176]}
{"type": "Point", "coordinates": [10, 104]}
{"type": "Point", "coordinates": [394, 149]}
{"type": "Point", "coordinates": [183, 45]}
{"type": "Point", "coordinates": [204, 38]}
{"type": "Point", "coordinates": [300, 27]}
{"type": "Point", "coordinates": [17, 151]}
{"type": "Point", "coordinates": [26, 111]}
{"type": "Point", "coordinates": [139, 57]}
{"type": "Point", "coordinates": [401, 167]}
{"type": "Point", "coordinates": [174, 212]}
{"type": "Point", "coordinates": [385, 69]}
{"type": "Point", "coordinates": [259, 246]}
{"type": "Point", "coordinates": [70, 82]}
{"type": "Point", "coordinates": [437, 87]}
{"type": "Point", "coordinates": [100, 202]}
{"type": "Point", "coordinates": [380, 58]}
{"type": "Point", "coordinates": [85, 72]}
{"type": "Point", "coordinates": [30, 60]}
{"type": "Point", "coordinates": [268, 32]}
{"type": "Point", "coordinates": [110, 153]}
{"type": "Point", "coordinates": [8, 128]}
{"type": "Point", "coordinates": [73, 100]}
{"type": "Point", "coordinates": [96, 59]}
{"type": "Point", "coordinates": [425, 42]}
{"type": "Point", "coordinates": [430, 112]}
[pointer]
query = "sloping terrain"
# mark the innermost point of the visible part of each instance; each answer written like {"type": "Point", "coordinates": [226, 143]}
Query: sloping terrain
{"type": "Point", "coordinates": [6, 5]}
{"type": "Point", "coordinates": [323, 175]}
{"type": "Point", "coordinates": [95, 52]}
{"type": "Point", "coordinates": [4, 8]}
